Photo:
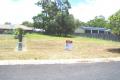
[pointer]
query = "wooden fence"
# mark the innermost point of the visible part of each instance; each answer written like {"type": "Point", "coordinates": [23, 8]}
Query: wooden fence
{"type": "Point", "coordinates": [101, 36]}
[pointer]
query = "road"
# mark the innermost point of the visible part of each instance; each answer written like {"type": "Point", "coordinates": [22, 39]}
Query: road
{"type": "Point", "coordinates": [79, 71]}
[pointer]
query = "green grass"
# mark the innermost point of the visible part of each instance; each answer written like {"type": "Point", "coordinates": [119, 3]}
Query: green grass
{"type": "Point", "coordinates": [51, 47]}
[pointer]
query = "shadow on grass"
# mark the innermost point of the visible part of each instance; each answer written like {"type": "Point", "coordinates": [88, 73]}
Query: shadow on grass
{"type": "Point", "coordinates": [68, 36]}
{"type": "Point", "coordinates": [52, 35]}
{"type": "Point", "coordinates": [114, 50]}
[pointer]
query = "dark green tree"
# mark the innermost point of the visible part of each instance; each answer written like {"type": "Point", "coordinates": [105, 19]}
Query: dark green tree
{"type": "Point", "coordinates": [55, 18]}
{"type": "Point", "coordinates": [27, 23]}
{"type": "Point", "coordinates": [40, 21]}
{"type": "Point", "coordinates": [115, 22]}
{"type": "Point", "coordinates": [79, 23]}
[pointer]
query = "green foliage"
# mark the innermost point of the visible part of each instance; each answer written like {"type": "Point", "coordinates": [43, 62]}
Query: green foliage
{"type": "Point", "coordinates": [62, 25]}
{"type": "Point", "coordinates": [39, 21]}
{"type": "Point", "coordinates": [98, 21]}
{"type": "Point", "coordinates": [115, 22]}
{"type": "Point", "coordinates": [18, 31]}
{"type": "Point", "coordinates": [55, 19]}
{"type": "Point", "coordinates": [26, 23]}
{"type": "Point", "coordinates": [79, 23]}
{"type": "Point", "coordinates": [69, 25]}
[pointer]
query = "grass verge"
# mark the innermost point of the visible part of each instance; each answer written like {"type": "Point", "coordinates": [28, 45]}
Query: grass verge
{"type": "Point", "coordinates": [50, 47]}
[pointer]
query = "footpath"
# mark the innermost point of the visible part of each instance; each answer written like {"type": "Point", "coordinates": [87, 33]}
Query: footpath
{"type": "Point", "coordinates": [59, 61]}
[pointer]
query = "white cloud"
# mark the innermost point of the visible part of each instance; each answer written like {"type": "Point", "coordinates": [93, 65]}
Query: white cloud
{"type": "Point", "coordinates": [18, 11]}
{"type": "Point", "coordinates": [92, 8]}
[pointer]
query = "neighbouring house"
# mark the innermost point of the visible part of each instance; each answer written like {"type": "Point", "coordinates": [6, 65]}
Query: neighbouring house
{"type": "Point", "coordinates": [95, 32]}
{"type": "Point", "coordinates": [6, 29]}
{"type": "Point", "coordinates": [10, 28]}
{"type": "Point", "coordinates": [25, 28]}
{"type": "Point", "coordinates": [92, 30]}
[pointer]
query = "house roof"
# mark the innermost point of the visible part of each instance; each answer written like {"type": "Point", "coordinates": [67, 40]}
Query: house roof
{"type": "Point", "coordinates": [23, 27]}
{"type": "Point", "coordinates": [95, 28]}
{"type": "Point", "coordinates": [6, 26]}
{"type": "Point", "coordinates": [15, 27]}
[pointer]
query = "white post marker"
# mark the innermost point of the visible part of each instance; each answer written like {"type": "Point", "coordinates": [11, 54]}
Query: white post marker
{"type": "Point", "coordinates": [20, 46]}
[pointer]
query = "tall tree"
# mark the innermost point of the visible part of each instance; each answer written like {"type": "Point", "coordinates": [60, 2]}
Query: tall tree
{"type": "Point", "coordinates": [27, 23]}
{"type": "Point", "coordinates": [98, 21]}
{"type": "Point", "coordinates": [55, 17]}
{"type": "Point", "coordinates": [40, 21]}
{"type": "Point", "coordinates": [115, 22]}
{"type": "Point", "coordinates": [79, 23]}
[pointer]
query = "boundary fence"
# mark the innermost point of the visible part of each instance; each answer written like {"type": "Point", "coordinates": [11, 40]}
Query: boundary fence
{"type": "Point", "coordinates": [101, 36]}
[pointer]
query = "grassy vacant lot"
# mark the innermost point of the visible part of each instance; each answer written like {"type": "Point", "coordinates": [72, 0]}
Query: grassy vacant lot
{"type": "Point", "coordinates": [50, 47]}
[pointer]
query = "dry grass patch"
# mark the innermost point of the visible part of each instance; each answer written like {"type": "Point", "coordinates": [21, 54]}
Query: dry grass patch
{"type": "Point", "coordinates": [7, 43]}
{"type": "Point", "coordinates": [49, 47]}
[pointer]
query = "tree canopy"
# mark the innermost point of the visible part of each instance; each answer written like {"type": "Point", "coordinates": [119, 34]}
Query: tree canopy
{"type": "Point", "coordinates": [98, 21]}
{"type": "Point", "coordinates": [55, 18]}
{"type": "Point", "coordinates": [27, 23]}
{"type": "Point", "coordinates": [115, 22]}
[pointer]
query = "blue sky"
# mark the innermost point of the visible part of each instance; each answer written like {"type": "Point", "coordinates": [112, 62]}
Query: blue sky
{"type": "Point", "coordinates": [76, 2]}
{"type": "Point", "coordinates": [17, 11]}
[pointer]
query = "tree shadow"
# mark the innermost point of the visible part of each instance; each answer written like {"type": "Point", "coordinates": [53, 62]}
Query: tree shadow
{"type": "Point", "coordinates": [114, 50]}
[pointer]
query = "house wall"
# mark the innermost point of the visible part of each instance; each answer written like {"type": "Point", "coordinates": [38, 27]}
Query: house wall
{"type": "Point", "coordinates": [6, 31]}
{"type": "Point", "coordinates": [92, 30]}
{"type": "Point", "coordinates": [1, 31]}
{"type": "Point", "coordinates": [79, 30]}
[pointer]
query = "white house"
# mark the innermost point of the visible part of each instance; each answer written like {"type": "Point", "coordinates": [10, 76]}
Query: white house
{"type": "Point", "coordinates": [10, 28]}
{"type": "Point", "coordinates": [92, 30]}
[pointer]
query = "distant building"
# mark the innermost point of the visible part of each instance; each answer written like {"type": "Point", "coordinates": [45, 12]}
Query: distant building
{"type": "Point", "coordinates": [25, 28]}
{"type": "Point", "coordinates": [92, 30]}
{"type": "Point", "coordinates": [6, 28]}
{"type": "Point", "coordinates": [39, 30]}
{"type": "Point", "coordinates": [10, 28]}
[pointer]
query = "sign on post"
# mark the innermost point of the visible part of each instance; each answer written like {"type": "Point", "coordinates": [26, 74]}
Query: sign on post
{"type": "Point", "coordinates": [68, 45]}
{"type": "Point", "coordinates": [20, 39]}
